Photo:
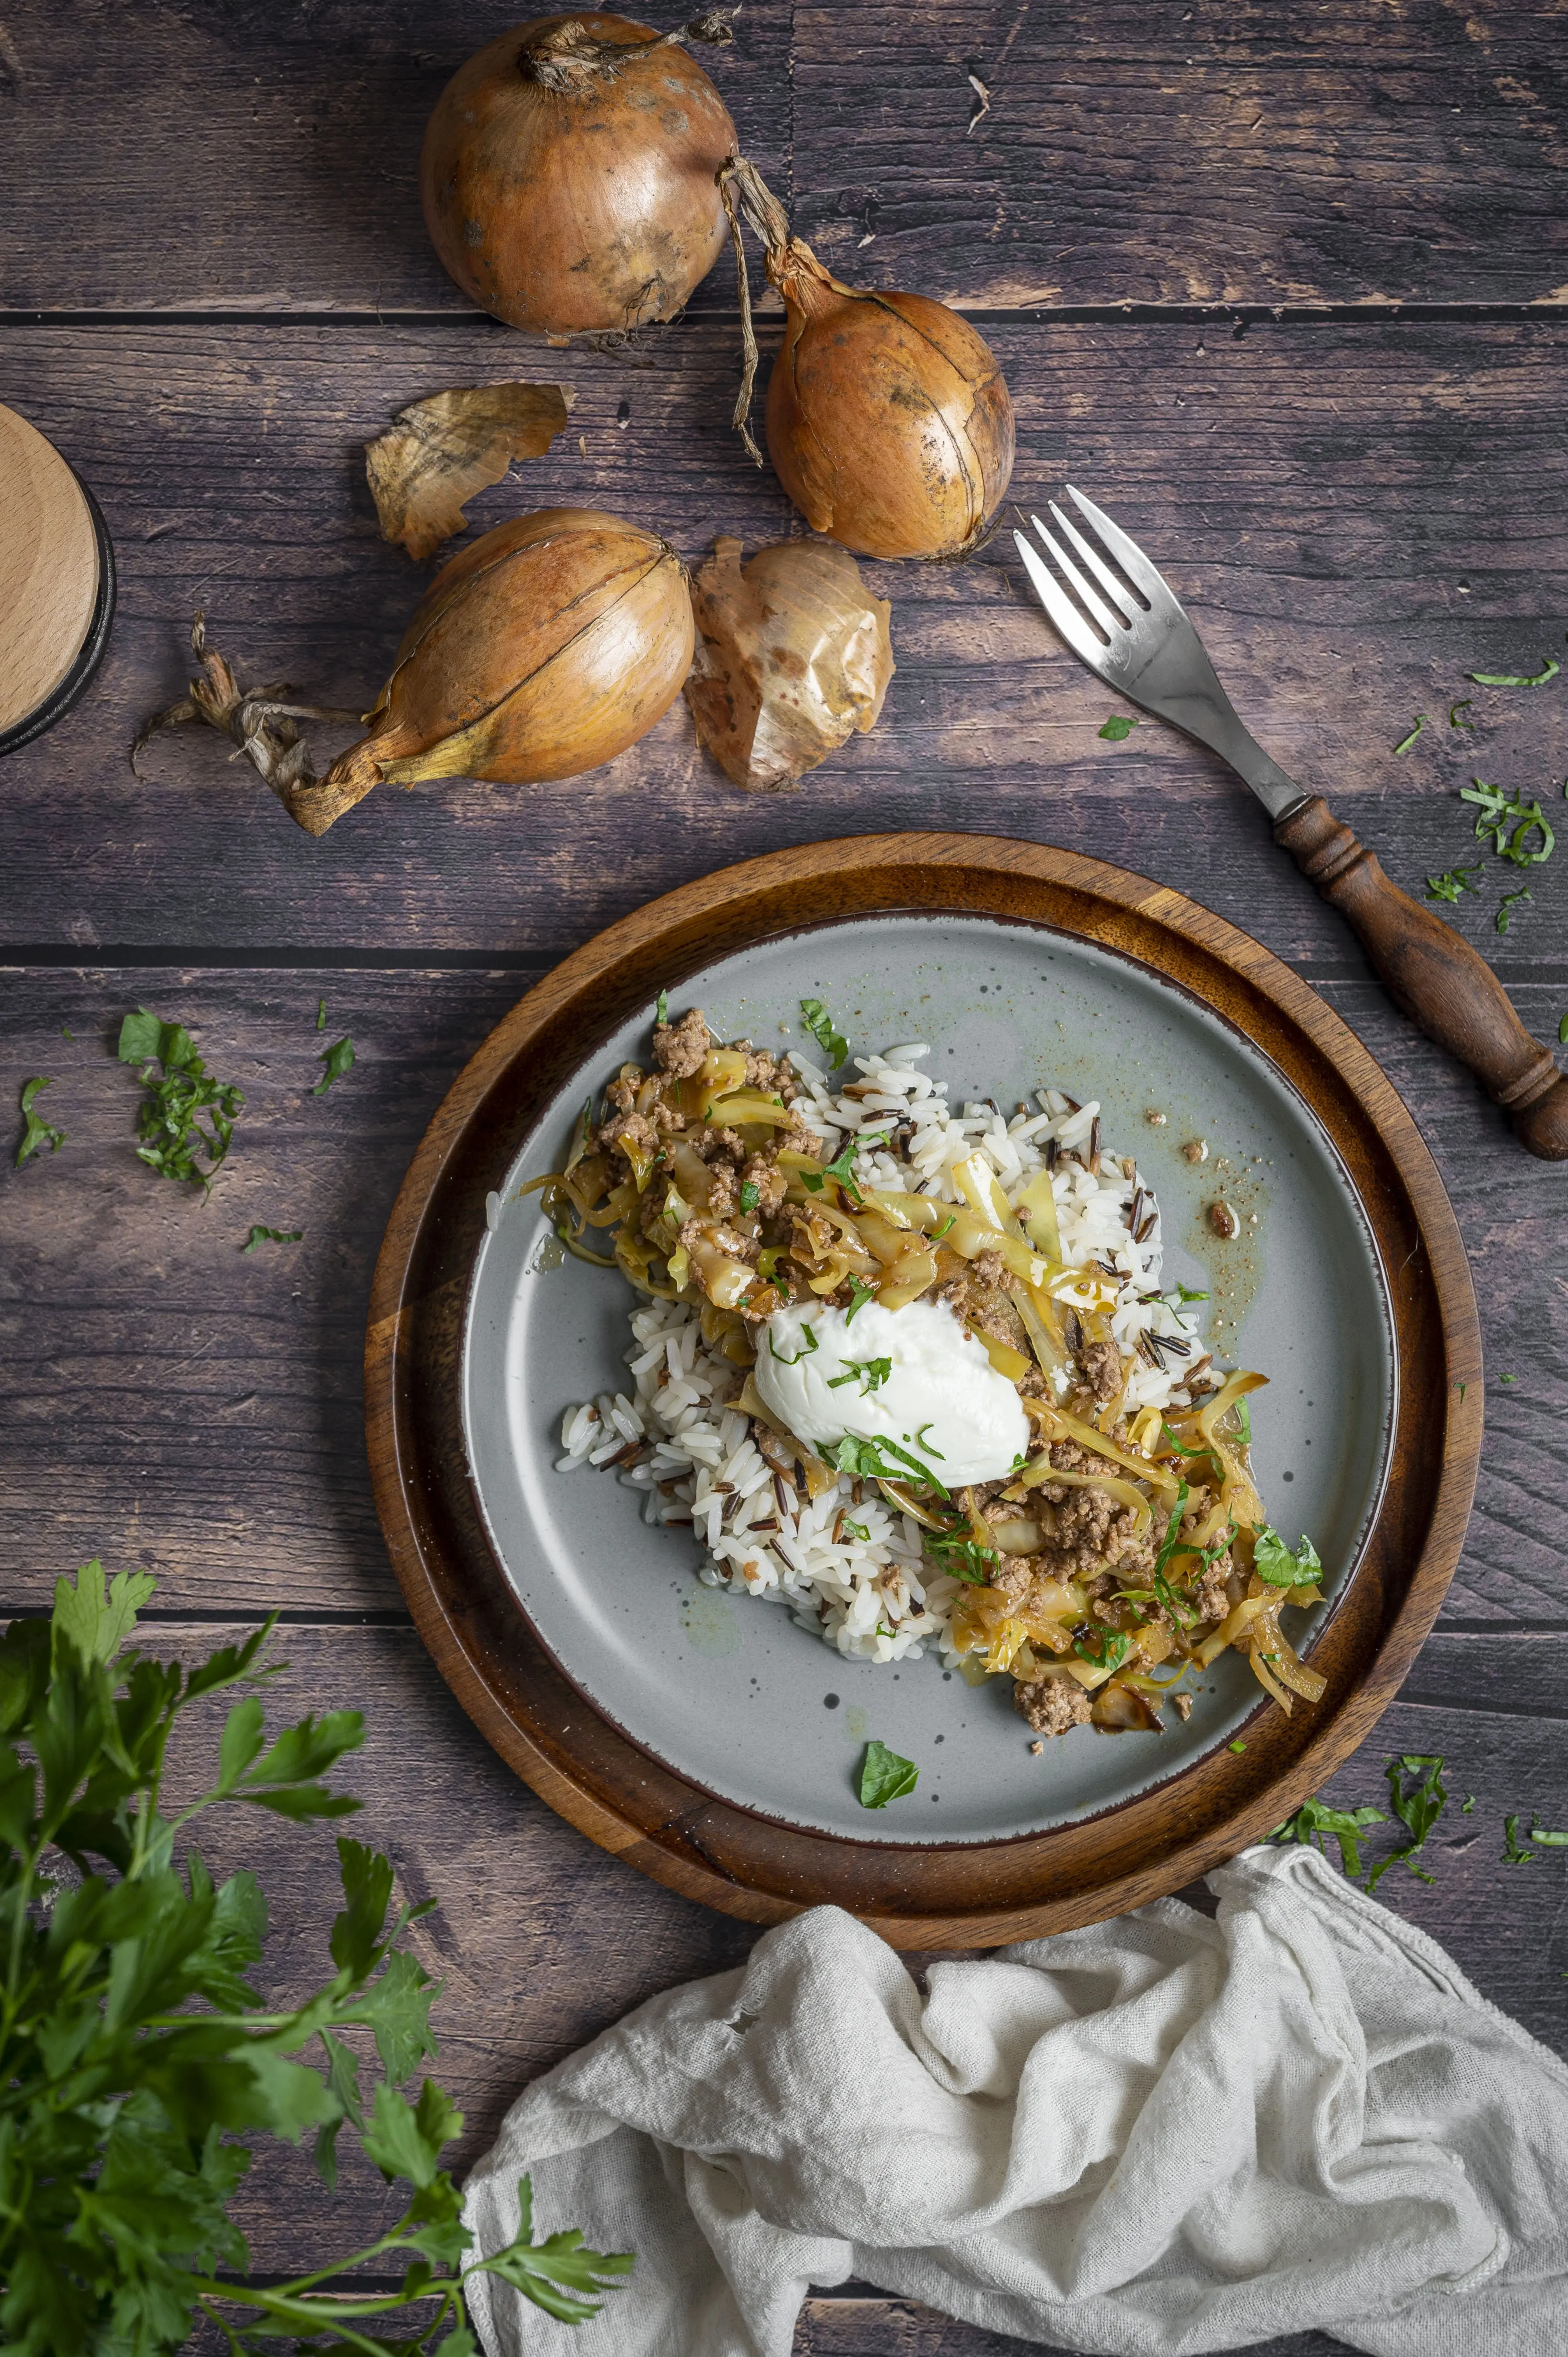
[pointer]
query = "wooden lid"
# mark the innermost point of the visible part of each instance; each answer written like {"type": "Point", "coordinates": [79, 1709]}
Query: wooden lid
{"type": "Point", "coordinates": [48, 569]}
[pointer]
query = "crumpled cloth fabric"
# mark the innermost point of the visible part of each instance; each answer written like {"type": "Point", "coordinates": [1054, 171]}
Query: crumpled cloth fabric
{"type": "Point", "coordinates": [1159, 2136]}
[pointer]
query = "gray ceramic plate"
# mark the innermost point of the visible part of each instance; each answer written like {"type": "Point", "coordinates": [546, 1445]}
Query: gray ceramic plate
{"type": "Point", "coordinates": [730, 1691]}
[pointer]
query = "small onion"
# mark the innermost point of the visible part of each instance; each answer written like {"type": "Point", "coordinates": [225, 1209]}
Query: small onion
{"type": "Point", "coordinates": [550, 645]}
{"type": "Point", "coordinates": [568, 176]}
{"type": "Point", "coordinates": [888, 420]}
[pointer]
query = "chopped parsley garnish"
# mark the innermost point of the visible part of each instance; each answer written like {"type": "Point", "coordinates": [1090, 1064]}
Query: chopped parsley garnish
{"type": "Point", "coordinates": [965, 1558]}
{"type": "Point", "coordinates": [1180, 1446]}
{"type": "Point", "coordinates": [1242, 1413]}
{"type": "Point", "coordinates": [260, 1235]}
{"type": "Point", "coordinates": [1406, 742]}
{"type": "Point", "coordinates": [842, 1167]}
{"type": "Point", "coordinates": [793, 1358]}
{"type": "Point", "coordinates": [1236, 1743]}
{"type": "Point", "coordinates": [1314, 1818]}
{"type": "Point", "coordinates": [1548, 670]}
{"type": "Point", "coordinates": [661, 1007]}
{"type": "Point", "coordinates": [1508, 1379]}
{"type": "Point", "coordinates": [1499, 813]}
{"type": "Point", "coordinates": [855, 1530]}
{"type": "Point", "coordinates": [1456, 709]}
{"type": "Point", "coordinates": [66, 1033]}
{"type": "Point", "coordinates": [1546, 1837]}
{"type": "Point", "coordinates": [336, 1060]}
{"type": "Point", "coordinates": [1513, 1854]}
{"type": "Point", "coordinates": [1118, 728]}
{"type": "Point", "coordinates": [872, 1373]}
{"type": "Point", "coordinates": [1563, 1032]}
{"type": "Point", "coordinates": [952, 1220]}
{"type": "Point", "coordinates": [867, 1460]}
{"type": "Point", "coordinates": [1181, 1295]}
{"type": "Point", "coordinates": [884, 1776]}
{"type": "Point", "coordinates": [750, 1195]}
{"type": "Point", "coordinates": [1182, 1614]}
{"type": "Point", "coordinates": [1108, 1651]}
{"type": "Point", "coordinates": [920, 1441]}
{"type": "Point", "coordinates": [167, 1120]}
{"type": "Point", "coordinates": [39, 1132]}
{"type": "Point", "coordinates": [1417, 1810]}
{"type": "Point", "coordinates": [321, 1015]}
{"type": "Point", "coordinates": [1467, 1804]}
{"type": "Point", "coordinates": [819, 1024]}
{"type": "Point", "coordinates": [1452, 881]}
{"type": "Point", "coordinates": [1510, 902]}
{"type": "Point", "coordinates": [1277, 1567]}
{"type": "Point", "coordinates": [859, 1295]}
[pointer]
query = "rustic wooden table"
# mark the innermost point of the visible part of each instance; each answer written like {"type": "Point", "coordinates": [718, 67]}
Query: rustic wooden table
{"type": "Point", "coordinates": [1285, 285]}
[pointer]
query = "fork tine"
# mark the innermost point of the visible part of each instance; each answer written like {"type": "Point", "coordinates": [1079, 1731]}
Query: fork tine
{"type": "Point", "coordinates": [1116, 590]}
{"type": "Point", "coordinates": [1064, 616]}
{"type": "Point", "coordinates": [1127, 554]}
{"type": "Point", "coordinates": [1114, 625]}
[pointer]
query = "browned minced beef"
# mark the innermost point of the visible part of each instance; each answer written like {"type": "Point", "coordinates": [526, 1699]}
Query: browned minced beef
{"type": "Point", "coordinates": [622, 1092]}
{"type": "Point", "coordinates": [1213, 1597]}
{"type": "Point", "coordinates": [766, 1071]}
{"type": "Point", "coordinates": [769, 1182]}
{"type": "Point", "coordinates": [1104, 1372]}
{"type": "Point", "coordinates": [1052, 1705]}
{"type": "Point", "coordinates": [989, 1268]}
{"type": "Point", "coordinates": [702, 1229]}
{"type": "Point", "coordinates": [635, 1127]}
{"type": "Point", "coordinates": [724, 1189]}
{"type": "Point", "coordinates": [1083, 1530]}
{"type": "Point", "coordinates": [679, 1048]}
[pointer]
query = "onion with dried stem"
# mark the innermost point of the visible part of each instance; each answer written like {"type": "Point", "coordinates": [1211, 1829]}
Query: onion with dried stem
{"type": "Point", "coordinates": [568, 173]}
{"type": "Point", "coordinates": [550, 645]}
{"type": "Point", "coordinates": [888, 420]}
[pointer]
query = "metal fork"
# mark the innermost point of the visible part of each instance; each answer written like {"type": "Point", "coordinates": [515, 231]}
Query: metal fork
{"type": "Point", "coordinates": [1130, 627]}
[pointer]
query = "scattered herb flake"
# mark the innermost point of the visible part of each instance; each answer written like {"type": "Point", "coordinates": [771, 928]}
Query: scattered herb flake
{"type": "Point", "coordinates": [1314, 1818]}
{"type": "Point", "coordinates": [1118, 728]}
{"type": "Point", "coordinates": [1508, 1379]}
{"type": "Point", "coordinates": [1236, 1743]}
{"type": "Point", "coordinates": [1452, 881]}
{"type": "Point", "coordinates": [965, 1558]}
{"type": "Point", "coordinates": [1406, 742]}
{"type": "Point", "coordinates": [1467, 1804]}
{"type": "Point", "coordinates": [1548, 670]}
{"type": "Point", "coordinates": [884, 1776]}
{"type": "Point", "coordinates": [1499, 813]}
{"type": "Point", "coordinates": [842, 1167]}
{"type": "Point", "coordinates": [1563, 1032]}
{"type": "Point", "coordinates": [260, 1235]}
{"type": "Point", "coordinates": [920, 1441]}
{"type": "Point", "coordinates": [66, 1034]}
{"type": "Point", "coordinates": [1181, 1295]}
{"type": "Point", "coordinates": [793, 1358]}
{"type": "Point", "coordinates": [1510, 902]}
{"type": "Point", "coordinates": [855, 1530]}
{"type": "Point", "coordinates": [39, 1132]}
{"type": "Point", "coordinates": [1417, 1810]}
{"type": "Point", "coordinates": [868, 1460]}
{"type": "Point", "coordinates": [321, 1015]}
{"type": "Point", "coordinates": [819, 1024]}
{"type": "Point", "coordinates": [336, 1060]}
{"type": "Point", "coordinates": [1277, 1567]}
{"type": "Point", "coordinates": [1456, 709]}
{"type": "Point", "coordinates": [859, 1295]}
{"type": "Point", "coordinates": [751, 1193]}
{"type": "Point", "coordinates": [1513, 1854]}
{"type": "Point", "coordinates": [1106, 1650]}
{"type": "Point", "coordinates": [1546, 1837]}
{"type": "Point", "coordinates": [661, 1007]}
{"type": "Point", "coordinates": [872, 1373]}
{"type": "Point", "coordinates": [168, 1120]}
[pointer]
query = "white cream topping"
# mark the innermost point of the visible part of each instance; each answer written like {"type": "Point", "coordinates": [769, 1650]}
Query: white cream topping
{"type": "Point", "coordinates": [938, 1397]}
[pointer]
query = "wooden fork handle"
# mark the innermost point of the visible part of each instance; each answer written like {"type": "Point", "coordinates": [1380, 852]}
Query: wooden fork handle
{"type": "Point", "coordinates": [1431, 971]}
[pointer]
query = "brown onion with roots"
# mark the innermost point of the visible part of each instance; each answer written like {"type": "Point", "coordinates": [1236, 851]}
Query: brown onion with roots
{"type": "Point", "coordinates": [888, 420]}
{"type": "Point", "coordinates": [569, 169]}
{"type": "Point", "coordinates": [550, 645]}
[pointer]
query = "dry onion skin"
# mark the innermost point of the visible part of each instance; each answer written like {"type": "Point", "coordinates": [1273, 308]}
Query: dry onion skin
{"type": "Point", "coordinates": [568, 176]}
{"type": "Point", "coordinates": [548, 647]}
{"type": "Point", "coordinates": [890, 422]}
{"type": "Point", "coordinates": [793, 655]}
{"type": "Point", "coordinates": [439, 452]}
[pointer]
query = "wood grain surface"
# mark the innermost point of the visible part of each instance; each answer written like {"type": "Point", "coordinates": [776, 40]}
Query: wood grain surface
{"type": "Point", "coordinates": [214, 288]}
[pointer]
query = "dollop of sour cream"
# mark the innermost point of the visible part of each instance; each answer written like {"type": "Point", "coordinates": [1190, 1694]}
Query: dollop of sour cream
{"type": "Point", "coordinates": [913, 1377]}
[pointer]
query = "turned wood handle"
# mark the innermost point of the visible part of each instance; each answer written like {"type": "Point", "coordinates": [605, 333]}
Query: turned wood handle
{"type": "Point", "coordinates": [1432, 971]}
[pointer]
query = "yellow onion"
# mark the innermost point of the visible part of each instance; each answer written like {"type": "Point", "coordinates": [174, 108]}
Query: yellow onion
{"type": "Point", "coordinates": [550, 645]}
{"type": "Point", "coordinates": [888, 420]}
{"type": "Point", "coordinates": [568, 176]}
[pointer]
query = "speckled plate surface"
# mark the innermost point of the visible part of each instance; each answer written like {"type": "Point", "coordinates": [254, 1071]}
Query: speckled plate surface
{"type": "Point", "coordinates": [730, 1693]}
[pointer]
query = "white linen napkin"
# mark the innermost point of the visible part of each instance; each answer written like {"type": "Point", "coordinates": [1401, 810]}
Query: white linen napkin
{"type": "Point", "coordinates": [1160, 2136]}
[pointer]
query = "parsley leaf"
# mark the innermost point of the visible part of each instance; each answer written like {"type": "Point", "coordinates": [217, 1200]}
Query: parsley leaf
{"type": "Point", "coordinates": [321, 1015]}
{"type": "Point", "coordinates": [260, 1235]}
{"type": "Point", "coordinates": [1277, 1567]}
{"type": "Point", "coordinates": [1108, 1650]}
{"type": "Point", "coordinates": [920, 1441]}
{"type": "Point", "coordinates": [842, 1167]}
{"type": "Point", "coordinates": [855, 1530]}
{"type": "Point", "coordinates": [867, 1460]}
{"type": "Point", "coordinates": [1499, 813]}
{"type": "Point", "coordinates": [1180, 1295]}
{"type": "Point", "coordinates": [167, 1122]}
{"type": "Point", "coordinates": [1314, 1818]}
{"type": "Point", "coordinates": [1118, 728]}
{"type": "Point", "coordinates": [793, 1358]}
{"type": "Point", "coordinates": [1452, 881]}
{"type": "Point", "coordinates": [661, 1007]}
{"type": "Point", "coordinates": [1547, 1839]}
{"type": "Point", "coordinates": [1183, 1614]}
{"type": "Point", "coordinates": [39, 1132]}
{"type": "Point", "coordinates": [1510, 902]}
{"type": "Point", "coordinates": [1406, 742]}
{"type": "Point", "coordinates": [859, 1295]}
{"type": "Point", "coordinates": [819, 1024]}
{"type": "Point", "coordinates": [884, 1776]}
{"type": "Point", "coordinates": [751, 1193]}
{"type": "Point", "coordinates": [1563, 1032]}
{"type": "Point", "coordinates": [873, 1374]}
{"type": "Point", "coordinates": [338, 1060]}
{"type": "Point", "coordinates": [963, 1558]}
{"type": "Point", "coordinates": [1548, 670]}
{"type": "Point", "coordinates": [1236, 1743]}
{"type": "Point", "coordinates": [1513, 1854]}
{"type": "Point", "coordinates": [1417, 1810]}
{"type": "Point", "coordinates": [1456, 709]}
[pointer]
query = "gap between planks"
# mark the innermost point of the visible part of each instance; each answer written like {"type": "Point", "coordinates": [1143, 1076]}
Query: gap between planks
{"type": "Point", "coordinates": [1065, 315]}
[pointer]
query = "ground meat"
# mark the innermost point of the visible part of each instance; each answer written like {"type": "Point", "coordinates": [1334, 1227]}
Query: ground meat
{"type": "Point", "coordinates": [701, 1229]}
{"type": "Point", "coordinates": [989, 1268]}
{"type": "Point", "coordinates": [1052, 1705]}
{"type": "Point", "coordinates": [1083, 1531]}
{"type": "Point", "coordinates": [1213, 1594]}
{"type": "Point", "coordinates": [724, 1189]}
{"type": "Point", "coordinates": [633, 1128]}
{"type": "Point", "coordinates": [955, 1292]}
{"type": "Point", "coordinates": [769, 1182]}
{"type": "Point", "coordinates": [763, 1071]}
{"type": "Point", "coordinates": [1104, 1372]}
{"type": "Point", "coordinates": [679, 1048]}
{"type": "Point", "coordinates": [622, 1093]}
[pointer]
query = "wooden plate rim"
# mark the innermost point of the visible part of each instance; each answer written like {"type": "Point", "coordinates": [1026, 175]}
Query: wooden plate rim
{"type": "Point", "coordinates": [679, 1833]}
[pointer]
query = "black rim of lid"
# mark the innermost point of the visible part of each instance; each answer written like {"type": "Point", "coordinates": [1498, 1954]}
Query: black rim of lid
{"type": "Point", "coordinates": [83, 670]}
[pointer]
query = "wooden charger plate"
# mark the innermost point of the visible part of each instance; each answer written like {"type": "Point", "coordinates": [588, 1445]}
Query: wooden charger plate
{"type": "Point", "coordinates": [748, 1864]}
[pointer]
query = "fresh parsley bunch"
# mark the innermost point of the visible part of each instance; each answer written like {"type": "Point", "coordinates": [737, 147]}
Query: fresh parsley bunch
{"type": "Point", "coordinates": [137, 2061]}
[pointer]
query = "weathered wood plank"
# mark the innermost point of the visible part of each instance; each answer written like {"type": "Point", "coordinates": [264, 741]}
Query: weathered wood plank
{"type": "Point", "coordinates": [252, 157]}
{"type": "Point", "coordinates": [171, 1400]}
{"type": "Point", "coordinates": [898, 2328]}
{"type": "Point", "coordinates": [1358, 516]}
{"type": "Point", "coordinates": [542, 1941]}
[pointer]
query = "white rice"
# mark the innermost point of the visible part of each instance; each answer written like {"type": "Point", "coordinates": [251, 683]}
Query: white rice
{"type": "Point", "coordinates": [690, 1452]}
